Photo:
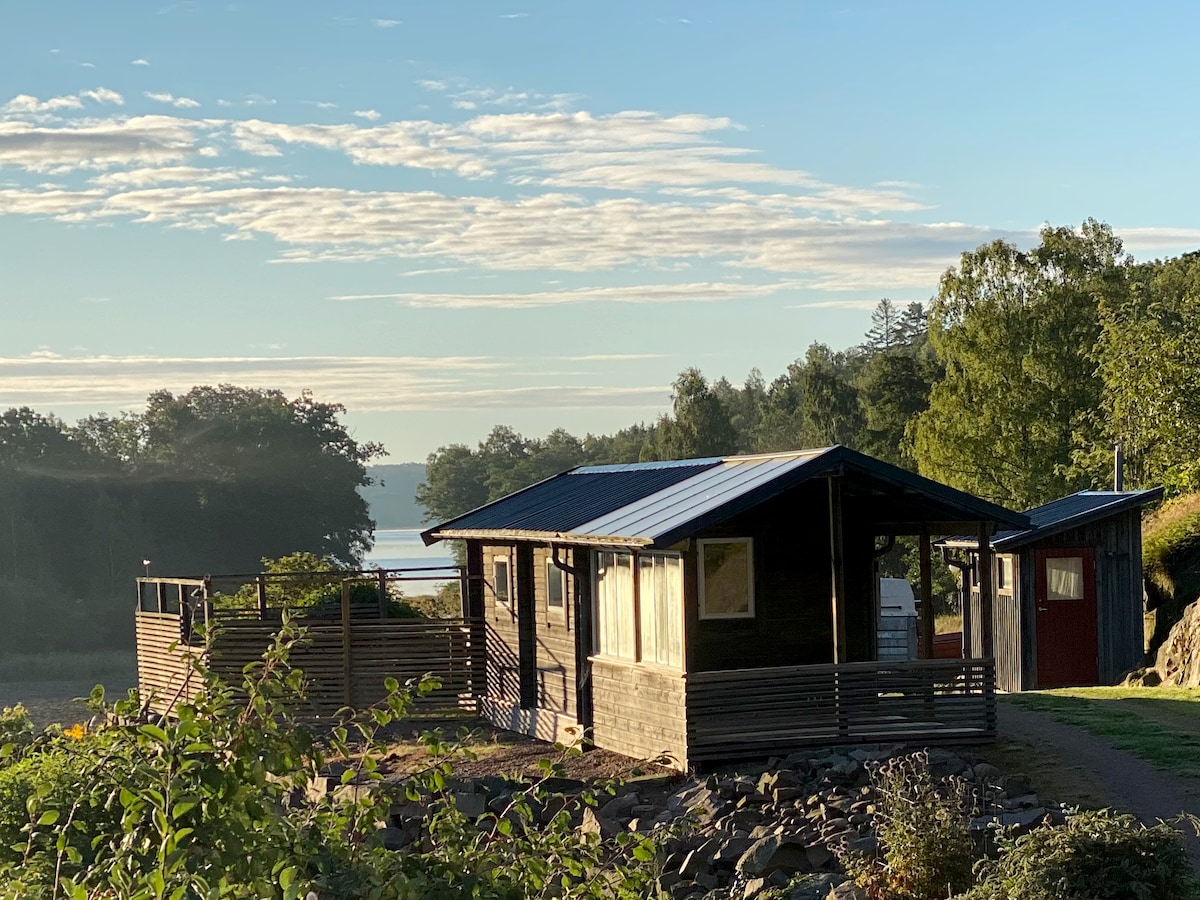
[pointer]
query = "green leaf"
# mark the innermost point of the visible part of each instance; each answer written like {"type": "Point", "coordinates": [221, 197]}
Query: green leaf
{"type": "Point", "coordinates": [49, 817]}
{"type": "Point", "coordinates": [155, 732]}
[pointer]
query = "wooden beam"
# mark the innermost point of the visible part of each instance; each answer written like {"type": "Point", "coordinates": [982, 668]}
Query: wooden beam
{"type": "Point", "coordinates": [986, 624]}
{"type": "Point", "coordinates": [837, 564]}
{"type": "Point", "coordinates": [347, 656]}
{"type": "Point", "coordinates": [927, 614]}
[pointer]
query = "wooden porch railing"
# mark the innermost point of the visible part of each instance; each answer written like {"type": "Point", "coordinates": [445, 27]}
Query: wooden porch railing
{"type": "Point", "coordinates": [345, 659]}
{"type": "Point", "coordinates": [757, 712]}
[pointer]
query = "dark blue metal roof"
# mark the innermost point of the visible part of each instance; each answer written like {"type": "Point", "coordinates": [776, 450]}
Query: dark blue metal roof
{"type": "Point", "coordinates": [657, 504]}
{"type": "Point", "coordinates": [1066, 512]}
{"type": "Point", "coordinates": [565, 502]}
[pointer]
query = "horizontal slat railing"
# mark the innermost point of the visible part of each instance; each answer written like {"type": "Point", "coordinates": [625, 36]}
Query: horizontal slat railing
{"type": "Point", "coordinates": [762, 711]}
{"type": "Point", "coordinates": [340, 669]}
{"type": "Point", "coordinates": [165, 672]}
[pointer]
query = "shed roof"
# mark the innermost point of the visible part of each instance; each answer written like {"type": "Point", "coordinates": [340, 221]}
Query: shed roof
{"type": "Point", "coordinates": [1059, 515]}
{"type": "Point", "coordinates": [657, 504]}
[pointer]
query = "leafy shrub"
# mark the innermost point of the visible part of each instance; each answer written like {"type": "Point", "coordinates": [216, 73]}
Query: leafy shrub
{"type": "Point", "coordinates": [16, 729]}
{"type": "Point", "coordinates": [924, 832]}
{"type": "Point", "coordinates": [1100, 855]}
{"type": "Point", "coordinates": [228, 800]}
{"type": "Point", "coordinates": [311, 585]}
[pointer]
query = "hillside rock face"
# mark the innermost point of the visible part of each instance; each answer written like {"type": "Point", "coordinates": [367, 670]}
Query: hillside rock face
{"type": "Point", "coordinates": [1178, 659]}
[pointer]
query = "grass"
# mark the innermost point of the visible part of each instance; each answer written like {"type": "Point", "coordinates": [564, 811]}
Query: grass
{"type": "Point", "coordinates": [948, 623]}
{"type": "Point", "coordinates": [1051, 774]}
{"type": "Point", "coordinates": [1161, 724]}
{"type": "Point", "coordinates": [62, 665]}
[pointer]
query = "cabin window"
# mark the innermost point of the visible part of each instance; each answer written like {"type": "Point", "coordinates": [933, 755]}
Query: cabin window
{"type": "Point", "coordinates": [615, 623]}
{"type": "Point", "coordinates": [500, 580]}
{"type": "Point", "coordinates": [660, 605]}
{"type": "Point", "coordinates": [1064, 578]}
{"type": "Point", "coordinates": [1004, 569]}
{"type": "Point", "coordinates": [556, 588]}
{"type": "Point", "coordinates": [727, 578]}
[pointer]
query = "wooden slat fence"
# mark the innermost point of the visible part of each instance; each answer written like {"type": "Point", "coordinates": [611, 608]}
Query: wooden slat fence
{"type": "Point", "coordinates": [345, 663]}
{"type": "Point", "coordinates": [165, 673]}
{"type": "Point", "coordinates": [757, 712]}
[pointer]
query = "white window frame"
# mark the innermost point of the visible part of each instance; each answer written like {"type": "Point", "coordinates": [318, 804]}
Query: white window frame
{"type": "Point", "coordinates": [598, 624]}
{"type": "Point", "coordinates": [553, 571]}
{"type": "Point", "coordinates": [506, 600]}
{"type": "Point", "coordinates": [700, 545]}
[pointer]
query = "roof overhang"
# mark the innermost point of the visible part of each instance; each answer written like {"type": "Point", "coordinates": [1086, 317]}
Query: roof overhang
{"type": "Point", "coordinates": [541, 537]}
{"type": "Point", "coordinates": [1012, 540]}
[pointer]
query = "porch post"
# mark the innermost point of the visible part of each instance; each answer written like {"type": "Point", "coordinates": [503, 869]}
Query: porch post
{"type": "Point", "coordinates": [837, 570]}
{"type": "Point", "coordinates": [927, 616]}
{"type": "Point", "coordinates": [986, 588]}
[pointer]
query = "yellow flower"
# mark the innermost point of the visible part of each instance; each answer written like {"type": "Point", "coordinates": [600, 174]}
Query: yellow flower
{"type": "Point", "coordinates": [76, 732]}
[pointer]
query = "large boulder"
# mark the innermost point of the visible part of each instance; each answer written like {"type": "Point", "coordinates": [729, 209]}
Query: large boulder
{"type": "Point", "coordinates": [1178, 659]}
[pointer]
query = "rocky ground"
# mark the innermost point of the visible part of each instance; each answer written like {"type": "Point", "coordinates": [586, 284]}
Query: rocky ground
{"type": "Point", "coordinates": [754, 828]}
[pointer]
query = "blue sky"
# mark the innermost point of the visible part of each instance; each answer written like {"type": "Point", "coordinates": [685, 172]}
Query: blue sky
{"type": "Point", "coordinates": [452, 215]}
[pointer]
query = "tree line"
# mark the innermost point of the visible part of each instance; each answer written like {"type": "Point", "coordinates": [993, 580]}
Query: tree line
{"type": "Point", "coordinates": [209, 481]}
{"type": "Point", "coordinates": [1014, 383]}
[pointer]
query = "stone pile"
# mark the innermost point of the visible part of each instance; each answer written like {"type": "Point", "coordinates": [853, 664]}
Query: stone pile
{"type": "Point", "coordinates": [766, 831]}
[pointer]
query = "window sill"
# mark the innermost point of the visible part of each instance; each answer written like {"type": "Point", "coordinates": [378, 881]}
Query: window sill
{"type": "Point", "coordinates": [622, 662]}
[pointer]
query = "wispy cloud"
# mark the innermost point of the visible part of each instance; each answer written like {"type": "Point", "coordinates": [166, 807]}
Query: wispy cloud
{"type": "Point", "coordinates": [385, 23]}
{"type": "Point", "coordinates": [103, 95]}
{"type": "Point", "coordinates": [646, 293]}
{"type": "Point", "coordinates": [171, 100]}
{"type": "Point", "coordinates": [364, 384]}
{"type": "Point", "coordinates": [370, 115]}
{"type": "Point", "coordinates": [140, 62]}
{"type": "Point", "coordinates": [518, 15]}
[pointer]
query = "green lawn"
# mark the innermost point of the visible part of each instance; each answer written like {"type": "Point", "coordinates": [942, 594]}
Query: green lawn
{"type": "Point", "coordinates": [1159, 724]}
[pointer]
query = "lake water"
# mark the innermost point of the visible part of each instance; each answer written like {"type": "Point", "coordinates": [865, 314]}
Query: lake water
{"type": "Point", "coordinates": [402, 548]}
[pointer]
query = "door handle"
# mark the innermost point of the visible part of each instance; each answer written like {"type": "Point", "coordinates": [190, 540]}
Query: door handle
{"type": "Point", "coordinates": [1043, 609]}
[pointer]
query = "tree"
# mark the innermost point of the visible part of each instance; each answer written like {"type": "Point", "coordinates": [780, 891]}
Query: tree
{"type": "Point", "coordinates": [1015, 332]}
{"type": "Point", "coordinates": [1148, 356]}
{"type": "Point", "coordinates": [885, 330]}
{"type": "Point", "coordinates": [455, 482]}
{"type": "Point", "coordinates": [700, 424]}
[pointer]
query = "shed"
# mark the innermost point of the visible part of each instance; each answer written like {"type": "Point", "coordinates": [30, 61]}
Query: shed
{"type": "Point", "coordinates": [1068, 605]}
{"type": "Point", "coordinates": [714, 608]}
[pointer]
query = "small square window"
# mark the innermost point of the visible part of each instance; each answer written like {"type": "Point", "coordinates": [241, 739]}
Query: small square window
{"type": "Point", "coordinates": [500, 582]}
{"type": "Point", "coordinates": [727, 579]}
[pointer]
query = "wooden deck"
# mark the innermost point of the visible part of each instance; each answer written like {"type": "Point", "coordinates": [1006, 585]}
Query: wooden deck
{"type": "Point", "coordinates": [760, 712]}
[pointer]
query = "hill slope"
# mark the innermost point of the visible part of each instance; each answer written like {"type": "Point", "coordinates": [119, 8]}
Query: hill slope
{"type": "Point", "coordinates": [392, 498]}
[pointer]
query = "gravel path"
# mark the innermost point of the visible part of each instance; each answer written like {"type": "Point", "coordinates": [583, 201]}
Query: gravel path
{"type": "Point", "coordinates": [1132, 783]}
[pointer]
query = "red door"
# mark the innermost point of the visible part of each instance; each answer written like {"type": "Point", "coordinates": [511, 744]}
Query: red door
{"type": "Point", "coordinates": [1065, 591]}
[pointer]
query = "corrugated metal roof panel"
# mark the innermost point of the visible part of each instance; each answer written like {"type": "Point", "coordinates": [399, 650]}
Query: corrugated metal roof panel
{"type": "Point", "coordinates": [675, 505]}
{"type": "Point", "coordinates": [566, 501]}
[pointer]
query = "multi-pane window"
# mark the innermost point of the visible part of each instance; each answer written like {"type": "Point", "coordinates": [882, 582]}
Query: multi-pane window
{"type": "Point", "coordinates": [726, 578]}
{"type": "Point", "coordinates": [647, 627]}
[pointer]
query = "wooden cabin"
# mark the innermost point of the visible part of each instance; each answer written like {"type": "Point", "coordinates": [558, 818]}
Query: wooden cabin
{"type": "Point", "coordinates": [714, 608]}
{"type": "Point", "coordinates": [1068, 606]}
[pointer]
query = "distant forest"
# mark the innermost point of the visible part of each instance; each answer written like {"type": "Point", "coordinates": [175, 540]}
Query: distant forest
{"type": "Point", "coordinates": [392, 495]}
{"type": "Point", "coordinates": [1014, 382]}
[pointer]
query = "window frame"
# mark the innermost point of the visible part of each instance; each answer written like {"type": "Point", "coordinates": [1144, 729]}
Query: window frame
{"type": "Point", "coordinates": [598, 627]}
{"type": "Point", "coordinates": [558, 612]}
{"type": "Point", "coordinates": [750, 612]}
{"type": "Point", "coordinates": [506, 560]}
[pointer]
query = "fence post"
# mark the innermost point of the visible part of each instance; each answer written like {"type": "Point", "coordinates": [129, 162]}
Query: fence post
{"type": "Point", "coordinates": [347, 659]}
{"type": "Point", "coordinates": [260, 584]}
{"type": "Point", "coordinates": [383, 594]}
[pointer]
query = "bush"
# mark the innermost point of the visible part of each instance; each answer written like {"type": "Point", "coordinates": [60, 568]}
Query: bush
{"type": "Point", "coordinates": [222, 801]}
{"type": "Point", "coordinates": [1100, 855]}
{"type": "Point", "coordinates": [924, 832]}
